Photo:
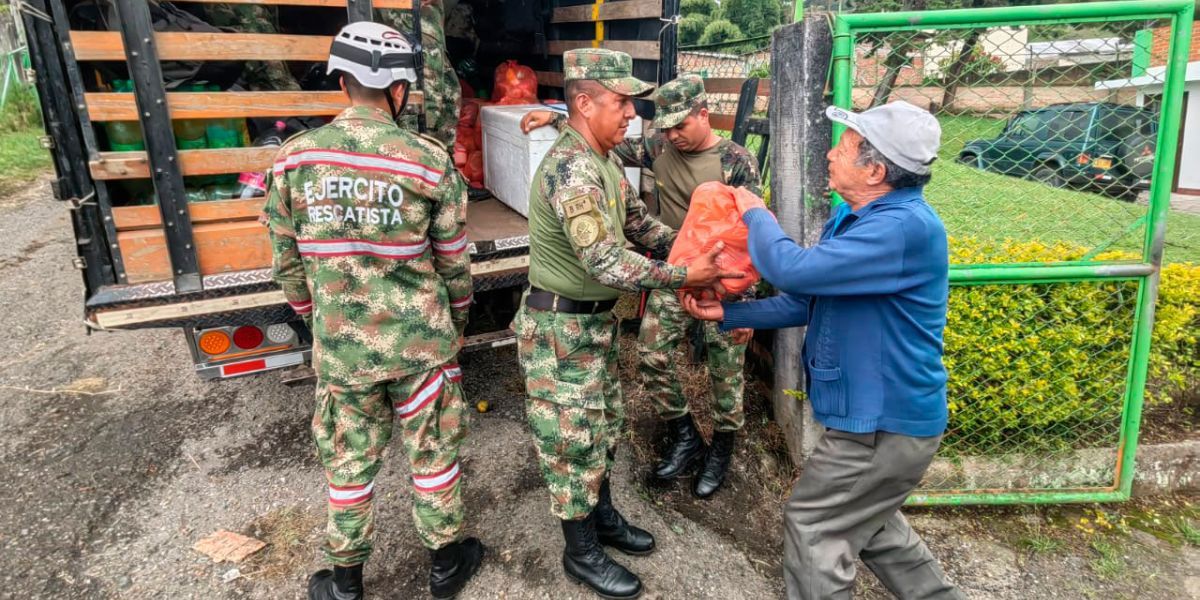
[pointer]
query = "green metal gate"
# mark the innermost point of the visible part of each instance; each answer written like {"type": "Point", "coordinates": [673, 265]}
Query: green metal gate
{"type": "Point", "coordinates": [1053, 118]}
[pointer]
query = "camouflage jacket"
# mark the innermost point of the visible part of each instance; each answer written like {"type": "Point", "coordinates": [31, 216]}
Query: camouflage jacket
{"type": "Point", "coordinates": [738, 167]}
{"type": "Point", "coordinates": [368, 228]}
{"type": "Point", "coordinates": [575, 238]}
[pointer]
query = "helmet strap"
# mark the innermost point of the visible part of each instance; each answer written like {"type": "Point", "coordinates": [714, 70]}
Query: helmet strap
{"type": "Point", "coordinates": [397, 110]}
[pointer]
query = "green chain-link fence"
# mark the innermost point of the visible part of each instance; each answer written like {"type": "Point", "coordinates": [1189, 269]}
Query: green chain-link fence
{"type": "Point", "coordinates": [1060, 130]}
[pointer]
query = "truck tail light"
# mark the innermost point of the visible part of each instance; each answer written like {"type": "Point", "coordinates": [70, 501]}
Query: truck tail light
{"type": "Point", "coordinates": [1084, 159]}
{"type": "Point", "coordinates": [280, 333]}
{"type": "Point", "coordinates": [214, 342]}
{"type": "Point", "coordinates": [248, 337]}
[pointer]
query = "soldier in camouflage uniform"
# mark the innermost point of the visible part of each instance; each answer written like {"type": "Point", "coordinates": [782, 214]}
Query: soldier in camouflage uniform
{"type": "Point", "coordinates": [367, 223]}
{"type": "Point", "coordinates": [581, 211]}
{"type": "Point", "coordinates": [248, 18]}
{"type": "Point", "coordinates": [442, 91]}
{"type": "Point", "coordinates": [684, 153]}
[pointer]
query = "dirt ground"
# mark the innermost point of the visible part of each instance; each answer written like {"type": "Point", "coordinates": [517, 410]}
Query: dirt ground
{"type": "Point", "coordinates": [117, 459]}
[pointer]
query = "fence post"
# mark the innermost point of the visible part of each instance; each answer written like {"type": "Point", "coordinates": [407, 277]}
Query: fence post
{"type": "Point", "coordinates": [800, 137]}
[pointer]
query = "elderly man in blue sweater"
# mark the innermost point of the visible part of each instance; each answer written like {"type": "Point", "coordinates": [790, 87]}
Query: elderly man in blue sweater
{"type": "Point", "coordinates": [873, 294]}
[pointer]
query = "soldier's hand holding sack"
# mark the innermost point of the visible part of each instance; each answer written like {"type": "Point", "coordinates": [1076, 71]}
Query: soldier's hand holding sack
{"type": "Point", "coordinates": [714, 219]}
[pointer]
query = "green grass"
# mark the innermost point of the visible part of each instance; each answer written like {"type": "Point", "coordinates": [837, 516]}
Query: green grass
{"type": "Point", "coordinates": [21, 157]}
{"type": "Point", "coordinates": [993, 207]}
{"type": "Point", "coordinates": [1038, 542]}
{"type": "Point", "coordinates": [1185, 529]}
{"type": "Point", "coordinates": [1109, 564]}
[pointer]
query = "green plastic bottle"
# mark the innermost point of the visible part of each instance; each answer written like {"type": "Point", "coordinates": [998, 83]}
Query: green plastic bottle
{"type": "Point", "coordinates": [190, 134]}
{"type": "Point", "coordinates": [223, 133]}
{"type": "Point", "coordinates": [124, 136]}
{"type": "Point", "coordinates": [195, 194]}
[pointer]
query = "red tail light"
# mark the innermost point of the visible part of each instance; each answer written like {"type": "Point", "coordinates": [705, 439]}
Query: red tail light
{"type": "Point", "coordinates": [248, 337]}
{"type": "Point", "coordinates": [1084, 159]}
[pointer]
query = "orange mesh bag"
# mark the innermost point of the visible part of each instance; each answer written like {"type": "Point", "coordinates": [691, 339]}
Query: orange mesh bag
{"type": "Point", "coordinates": [515, 84]}
{"type": "Point", "coordinates": [713, 217]}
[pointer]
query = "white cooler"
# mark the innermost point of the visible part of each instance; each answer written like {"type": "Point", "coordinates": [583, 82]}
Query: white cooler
{"type": "Point", "coordinates": [510, 157]}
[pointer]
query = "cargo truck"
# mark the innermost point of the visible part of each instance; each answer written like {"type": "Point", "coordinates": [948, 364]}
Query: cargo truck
{"type": "Point", "coordinates": [169, 261]}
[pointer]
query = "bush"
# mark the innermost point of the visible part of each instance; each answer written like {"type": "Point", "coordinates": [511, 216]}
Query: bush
{"type": "Point", "coordinates": [720, 31]}
{"type": "Point", "coordinates": [1043, 367]}
{"type": "Point", "coordinates": [688, 8]}
{"type": "Point", "coordinates": [691, 28]}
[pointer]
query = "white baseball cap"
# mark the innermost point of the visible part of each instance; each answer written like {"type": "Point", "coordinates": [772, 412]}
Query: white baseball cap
{"type": "Point", "coordinates": [905, 134]}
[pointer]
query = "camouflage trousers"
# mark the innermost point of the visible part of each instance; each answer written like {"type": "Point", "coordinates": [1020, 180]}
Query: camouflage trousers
{"type": "Point", "coordinates": [244, 18]}
{"type": "Point", "coordinates": [442, 92]}
{"type": "Point", "coordinates": [664, 326]}
{"type": "Point", "coordinates": [575, 408]}
{"type": "Point", "coordinates": [352, 427]}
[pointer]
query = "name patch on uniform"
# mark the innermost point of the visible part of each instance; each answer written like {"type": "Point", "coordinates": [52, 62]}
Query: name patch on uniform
{"type": "Point", "coordinates": [579, 205]}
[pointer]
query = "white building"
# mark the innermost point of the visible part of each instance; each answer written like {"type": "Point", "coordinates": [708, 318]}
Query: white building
{"type": "Point", "coordinates": [1150, 89]}
{"type": "Point", "coordinates": [1009, 44]}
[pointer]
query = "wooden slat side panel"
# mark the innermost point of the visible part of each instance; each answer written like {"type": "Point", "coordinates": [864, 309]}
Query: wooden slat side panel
{"type": "Point", "coordinates": [220, 247]}
{"type": "Point", "coordinates": [720, 121]}
{"type": "Point", "coordinates": [106, 45]}
{"type": "Point", "coordinates": [110, 106]}
{"type": "Point", "coordinates": [549, 78]}
{"type": "Point", "coordinates": [643, 50]}
{"type": "Point", "coordinates": [609, 11]}
{"type": "Point", "coordinates": [326, 3]}
{"type": "Point", "coordinates": [128, 218]}
{"type": "Point", "coordinates": [733, 85]}
{"type": "Point", "coordinates": [136, 165]}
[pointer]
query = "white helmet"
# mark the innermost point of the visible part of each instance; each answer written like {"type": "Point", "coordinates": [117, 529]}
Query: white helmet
{"type": "Point", "coordinates": [376, 55]}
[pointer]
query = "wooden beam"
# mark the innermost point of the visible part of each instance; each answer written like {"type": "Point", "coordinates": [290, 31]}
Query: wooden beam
{"type": "Point", "coordinates": [127, 317]}
{"type": "Point", "coordinates": [641, 50]}
{"type": "Point", "coordinates": [609, 11]}
{"type": "Point", "coordinates": [733, 85]}
{"type": "Point", "coordinates": [106, 45]}
{"type": "Point", "coordinates": [111, 106]}
{"type": "Point", "coordinates": [549, 78]}
{"type": "Point", "coordinates": [721, 121]}
{"type": "Point", "coordinates": [136, 165]}
{"type": "Point", "coordinates": [128, 218]}
{"type": "Point", "coordinates": [325, 3]}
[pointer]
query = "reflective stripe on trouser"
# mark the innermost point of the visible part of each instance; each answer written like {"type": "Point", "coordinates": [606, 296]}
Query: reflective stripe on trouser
{"type": "Point", "coordinates": [575, 409]}
{"type": "Point", "coordinates": [664, 326]}
{"type": "Point", "coordinates": [352, 427]}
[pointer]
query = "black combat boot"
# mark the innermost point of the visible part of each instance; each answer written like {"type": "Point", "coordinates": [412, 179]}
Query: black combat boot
{"type": "Point", "coordinates": [585, 562]}
{"type": "Point", "coordinates": [342, 583]}
{"type": "Point", "coordinates": [716, 463]}
{"type": "Point", "coordinates": [453, 566]}
{"type": "Point", "coordinates": [684, 452]}
{"type": "Point", "coordinates": [613, 530]}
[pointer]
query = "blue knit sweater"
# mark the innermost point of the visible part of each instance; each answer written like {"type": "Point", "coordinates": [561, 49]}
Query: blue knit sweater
{"type": "Point", "coordinates": [873, 294]}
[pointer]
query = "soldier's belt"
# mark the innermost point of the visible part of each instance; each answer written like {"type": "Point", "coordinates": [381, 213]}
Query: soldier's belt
{"type": "Point", "coordinates": [540, 299]}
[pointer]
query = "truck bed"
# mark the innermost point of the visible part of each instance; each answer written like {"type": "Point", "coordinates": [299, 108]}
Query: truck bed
{"type": "Point", "coordinates": [499, 255]}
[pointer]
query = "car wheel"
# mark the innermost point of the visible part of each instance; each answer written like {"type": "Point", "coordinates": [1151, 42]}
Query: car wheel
{"type": "Point", "coordinates": [969, 159]}
{"type": "Point", "coordinates": [1048, 175]}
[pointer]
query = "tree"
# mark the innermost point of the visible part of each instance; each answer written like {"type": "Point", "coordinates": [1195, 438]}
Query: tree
{"type": "Point", "coordinates": [697, 7]}
{"type": "Point", "coordinates": [720, 31]}
{"type": "Point", "coordinates": [691, 27]}
{"type": "Point", "coordinates": [753, 17]}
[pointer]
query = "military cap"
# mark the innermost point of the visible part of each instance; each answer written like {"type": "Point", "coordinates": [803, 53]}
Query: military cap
{"type": "Point", "coordinates": [676, 99]}
{"type": "Point", "coordinates": [609, 68]}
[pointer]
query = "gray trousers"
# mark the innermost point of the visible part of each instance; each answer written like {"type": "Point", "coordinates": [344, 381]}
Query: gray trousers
{"type": "Point", "coordinates": [846, 505]}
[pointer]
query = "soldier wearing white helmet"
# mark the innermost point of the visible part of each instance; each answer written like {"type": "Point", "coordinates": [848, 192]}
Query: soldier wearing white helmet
{"type": "Point", "coordinates": [368, 229]}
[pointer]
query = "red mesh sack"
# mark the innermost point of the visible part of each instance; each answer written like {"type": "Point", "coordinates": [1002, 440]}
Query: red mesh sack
{"type": "Point", "coordinates": [515, 84]}
{"type": "Point", "coordinates": [713, 217]}
{"type": "Point", "coordinates": [473, 170]}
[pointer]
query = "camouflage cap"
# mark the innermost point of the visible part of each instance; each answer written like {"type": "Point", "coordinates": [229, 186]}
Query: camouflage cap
{"type": "Point", "coordinates": [676, 99]}
{"type": "Point", "coordinates": [609, 68]}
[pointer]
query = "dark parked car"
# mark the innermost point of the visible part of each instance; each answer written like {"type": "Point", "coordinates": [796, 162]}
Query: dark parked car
{"type": "Point", "coordinates": [1093, 145]}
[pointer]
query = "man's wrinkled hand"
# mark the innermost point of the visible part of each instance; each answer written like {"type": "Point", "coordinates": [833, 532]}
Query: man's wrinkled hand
{"type": "Point", "coordinates": [536, 118]}
{"type": "Point", "coordinates": [741, 336]}
{"type": "Point", "coordinates": [746, 200]}
{"type": "Point", "coordinates": [703, 308]}
{"type": "Point", "coordinates": [705, 272]}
